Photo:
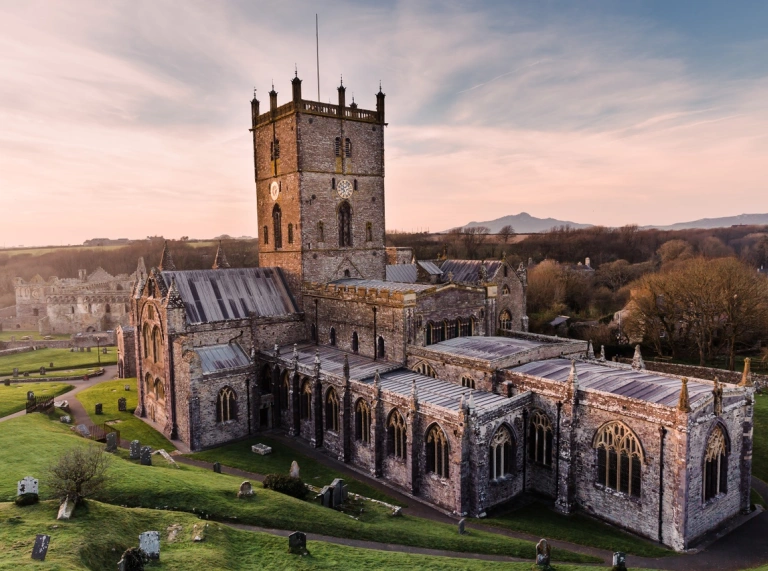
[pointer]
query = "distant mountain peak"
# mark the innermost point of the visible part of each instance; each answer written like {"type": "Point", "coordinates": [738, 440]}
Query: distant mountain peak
{"type": "Point", "coordinates": [524, 223]}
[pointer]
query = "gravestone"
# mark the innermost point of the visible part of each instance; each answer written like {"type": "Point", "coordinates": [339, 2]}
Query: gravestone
{"type": "Point", "coordinates": [619, 561]}
{"type": "Point", "coordinates": [297, 543]}
{"type": "Point", "coordinates": [104, 351]}
{"type": "Point", "coordinates": [7, 382]}
{"type": "Point", "coordinates": [26, 374]}
{"type": "Point", "coordinates": [542, 554]}
{"type": "Point", "coordinates": [146, 455]}
{"type": "Point", "coordinates": [42, 371]}
{"type": "Point", "coordinates": [294, 473]}
{"type": "Point", "coordinates": [121, 404]}
{"type": "Point", "coordinates": [15, 372]}
{"type": "Point", "coordinates": [246, 490]}
{"type": "Point", "coordinates": [127, 387]}
{"type": "Point", "coordinates": [149, 543]}
{"type": "Point", "coordinates": [462, 524]}
{"type": "Point", "coordinates": [89, 349]}
{"type": "Point", "coordinates": [83, 431]}
{"type": "Point", "coordinates": [111, 441]}
{"type": "Point", "coordinates": [30, 395]}
{"type": "Point", "coordinates": [217, 467]}
{"type": "Point", "coordinates": [132, 560]}
{"type": "Point", "coordinates": [99, 408]}
{"type": "Point", "coordinates": [135, 453]}
{"type": "Point", "coordinates": [338, 492]}
{"type": "Point", "coordinates": [326, 497]}
{"type": "Point", "coordinates": [261, 449]}
{"type": "Point", "coordinates": [26, 485]}
{"type": "Point", "coordinates": [66, 509]}
{"type": "Point", "coordinates": [40, 548]}
{"type": "Point", "coordinates": [50, 365]}
{"type": "Point", "coordinates": [66, 419]}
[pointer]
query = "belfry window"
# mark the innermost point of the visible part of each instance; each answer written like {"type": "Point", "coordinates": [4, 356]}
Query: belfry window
{"type": "Point", "coordinates": [540, 438]}
{"type": "Point", "coordinates": [333, 336]}
{"type": "Point", "coordinates": [396, 435]}
{"type": "Point", "coordinates": [363, 421]}
{"type": "Point", "coordinates": [715, 465]}
{"type": "Point", "coordinates": [355, 342]}
{"type": "Point", "coordinates": [345, 224]}
{"type": "Point", "coordinates": [347, 148]}
{"type": "Point", "coordinates": [337, 146]}
{"type": "Point", "coordinates": [277, 221]}
{"type": "Point", "coordinates": [437, 451]}
{"type": "Point", "coordinates": [274, 150]}
{"type": "Point", "coordinates": [619, 458]}
{"type": "Point", "coordinates": [380, 347]}
{"type": "Point", "coordinates": [226, 405]}
{"type": "Point", "coordinates": [502, 454]}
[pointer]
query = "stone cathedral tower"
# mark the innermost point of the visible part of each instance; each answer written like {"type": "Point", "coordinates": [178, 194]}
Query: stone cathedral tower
{"type": "Point", "coordinates": [319, 171]}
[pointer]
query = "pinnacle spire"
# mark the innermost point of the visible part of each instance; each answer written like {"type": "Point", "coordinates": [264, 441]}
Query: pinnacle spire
{"type": "Point", "coordinates": [346, 366]}
{"type": "Point", "coordinates": [637, 360]}
{"type": "Point", "coordinates": [746, 377]}
{"type": "Point", "coordinates": [590, 350]}
{"type": "Point", "coordinates": [173, 299]}
{"type": "Point", "coordinates": [166, 260]}
{"type": "Point", "coordinates": [220, 261]}
{"type": "Point", "coordinates": [573, 383]}
{"type": "Point", "coordinates": [684, 404]}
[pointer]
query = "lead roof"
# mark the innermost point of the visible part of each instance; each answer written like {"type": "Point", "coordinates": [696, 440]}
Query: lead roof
{"type": "Point", "coordinates": [216, 358]}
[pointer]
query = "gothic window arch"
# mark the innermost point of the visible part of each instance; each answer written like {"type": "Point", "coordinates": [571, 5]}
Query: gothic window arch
{"type": "Point", "coordinates": [159, 390]}
{"type": "Point", "coordinates": [380, 347]}
{"type": "Point", "coordinates": [284, 390]}
{"type": "Point", "coordinates": [274, 150]}
{"type": "Point", "coordinates": [502, 453]}
{"type": "Point", "coordinates": [277, 221]}
{"type": "Point", "coordinates": [265, 380]}
{"type": "Point", "coordinates": [333, 336]}
{"type": "Point", "coordinates": [619, 458]}
{"type": "Point", "coordinates": [425, 369]}
{"type": "Point", "coordinates": [355, 342]}
{"type": "Point", "coordinates": [331, 410]}
{"type": "Point", "coordinates": [716, 464]}
{"type": "Point", "coordinates": [107, 309]}
{"type": "Point", "coordinates": [505, 288]}
{"type": "Point", "coordinates": [467, 381]}
{"type": "Point", "coordinates": [305, 401]}
{"type": "Point", "coordinates": [145, 337]}
{"type": "Point", "coordinates": [157, 344]}
{"type": "Point", "coordinates": [451, 329]}
{"type": "Point", "coordinates": [505, 321]}
{"type": "Point", "coordinates": [435, 333]}
{"type": "Point", "coordinates": [465, 327]}
{"type": "Point", "coordinates": [226, 405]}
{"type": "Point", "coordinates": [347, 148]}
{"type": "Point", "coordinates": [337, 146]}
{"type": "Point", "coordinates": [363, 421]}
{"type": "Point", "coordinates": [396, 435]}
{"type": "Point", "coordinates": [266, 234]}
{"type": "Point", "coordinates": [436, 445]}
{"type": "Point", "coordinates": [313, 332]}
{"type": "Point", "coordinates": [147, 384]}
{"type": "Point", "coordinates": [290, 233]}
{"type": "Point", "coordinates": [320, 232]}
{"type": "Point", "coordinates": [540, 438]}
{"type": "Point", "coordinates": [344, 215]}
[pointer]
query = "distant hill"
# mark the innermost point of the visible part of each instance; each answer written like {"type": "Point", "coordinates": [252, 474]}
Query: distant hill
{"type": "Point", "coordinates": [524, 223]}
{"type": "Point", "coordinates": [724, 222]}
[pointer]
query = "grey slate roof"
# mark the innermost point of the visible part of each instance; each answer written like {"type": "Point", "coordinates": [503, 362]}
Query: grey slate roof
{"type": "Point", "coordinates": [222, 357]}
{"type": "Point", "coordinates": [404, 273]}
{"type": "Point", "coordinates": [232, 293]}
{"type": "Point", "coordinates": [485, 348]}
{"type": "Point", "coordinates": [381, 284]}
{"type": "Point", "coordinates": [623, 382]}
{"type": "Point", "coordinates": [467, 271]}
{"type": "Point", "coordinates": [430, 268]}
{"type": "Point", "coordinates": [332, 360]}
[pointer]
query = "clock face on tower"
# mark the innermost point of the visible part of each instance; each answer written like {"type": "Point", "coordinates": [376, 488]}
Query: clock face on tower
{"type": "Point", "coordinates": [344, 188]}
{"type": "Point", "coordinates": [274, 190]}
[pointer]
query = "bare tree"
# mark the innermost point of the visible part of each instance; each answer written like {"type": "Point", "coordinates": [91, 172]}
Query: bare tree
{"type": "Point", "coordinates": [506, 232]}
{"type": "Point", "coordinates": [79, 473]}
{"type": "Point", "coordinates": [473, 237]}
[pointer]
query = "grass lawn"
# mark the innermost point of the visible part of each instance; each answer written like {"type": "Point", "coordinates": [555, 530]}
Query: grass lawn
{"type": "Point", "coordinates": [760, 439]}
{"type": "Point", "coordinates": [30, 443]}
{"type": "Point", "coordinates": [239, 455]}
{"type": "Point", "coordinates": [540, 520]}
{"type": "Point", "coordinates": [14, 397]}
{"type": "Point", "coordinates": [99, 533]}
{"type": "Point", "coordinates": [61, 358]}
{"type": "Point", "coordinates": [130, 427]}
{"type": "Point", "coordinates": [34, 335]}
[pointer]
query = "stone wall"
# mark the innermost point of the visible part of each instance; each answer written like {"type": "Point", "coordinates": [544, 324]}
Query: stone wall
{"type": "Point", "coordinates": [694, 371]}
{"type": "Point", "coordinates": [126, 352]}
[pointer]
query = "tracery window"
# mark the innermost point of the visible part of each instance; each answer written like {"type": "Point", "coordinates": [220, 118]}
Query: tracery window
{"type": "Point", "coordinates": [159, 390]}
{"type": "Point", "coordinates": [465, 327]}
{"type": "Point", "coordinates": [450, 329]}
{"type": "Point", "coordinates": [226, 405]}
{"type": "Point", "coordinates": [716, 465]}
{"type": "Point", "coordinates": [425, 369]}
{"type": "Point", "coordinates": [467, 381]}
{"type": "Point", "coordinates": [284, 391]}
{"type": "Point", "coordinates": [157, 345]}
{"type": "Point", "coordinates": [505, 321]}
{"type": "Point", "coordinates": [274, 150]}
{"type": "Point", "coordinates": [147, 384]}
{"type": "Point", "coordinates": [277, 221]}
{"type": "Point", "coordinates": [540, 438]}
{"type": "Point", "coordinates": [146, 338]}
{"type": "Point", "coordinates": [437, 451]}
{"type": "Point", "coordinates": [502, 454]}
{"type": "Point", "coordinates": [505, 288]}
{"type": "Point", "coordinates": [619, 458]}
{"type": "Point", "coordinates": [363, 421]}
{"type": "Point", "coordinates": [265, 380]}
{"type": "Point", "coordinates": [435, 332]}
{"type": "Point", "coordinates": [396, 435]}
{"type": "Point", "coordinates": [331, 410]}
{"type": "Point", "coordinates": [345, 224]}
{"type": "Point", "coordinates": [305, 401]}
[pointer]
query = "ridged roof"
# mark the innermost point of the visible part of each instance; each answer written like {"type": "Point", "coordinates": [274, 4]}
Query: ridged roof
{"type": "Point", "coordinates": [403, 273]}
{"type": "Point", "coordinates": [382, 284]}
{"type": "Point", "coordinates": [485, 348]}
{"type": "Point", "coordinates": [216, 358]}
{"type": "Point", "coordinates": [232, 293]}
{"type": "Point", "coordinates": [468, 271]}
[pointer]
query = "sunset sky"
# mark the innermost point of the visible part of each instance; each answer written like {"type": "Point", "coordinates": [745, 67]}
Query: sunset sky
{"type": "Point", "coordinates": [129, 119]}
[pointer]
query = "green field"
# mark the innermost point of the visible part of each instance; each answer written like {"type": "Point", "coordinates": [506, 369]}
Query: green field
{"type": "Point", "coordinates": [130, 427]}
{"type": "Point", "coordinates": [29, 443]}
{"type": "Point", "coordinates": [13, 397]}
{"type": "Point", "coordinates": [239, 455]}
{"type": "Point", "coordinates": [34, 335]}
{"type": "Point", "coordinates": [62, 360]}
{"type": "Point", "coordinates": [760, 439]}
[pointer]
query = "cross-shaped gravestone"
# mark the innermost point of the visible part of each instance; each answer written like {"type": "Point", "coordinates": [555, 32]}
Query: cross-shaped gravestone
{"type": "Point", "coordinates": [111, 441]}
{"type": "Point", "coordinates": [26, 485]}
{"type": "Point", "coordinates": [121, 404]}
{"type": "Point", "coordinates": [149, 543]}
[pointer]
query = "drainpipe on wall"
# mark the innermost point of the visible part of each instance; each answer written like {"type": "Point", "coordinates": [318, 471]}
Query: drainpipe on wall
{"type": "Point", "coordinates": [525, 444]}
{"type": "Point", "coordinates": [557, 458]}
{"type": "Point", "coordinates": [317, 326]}
{"type": "Point", "coordinates": [375, 346]}
{"type": "Point", "coordinates": [662, 433]}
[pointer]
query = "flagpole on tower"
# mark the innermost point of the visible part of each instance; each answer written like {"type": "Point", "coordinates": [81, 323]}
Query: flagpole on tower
{"type": "Point", "coordinates": [317, 52]}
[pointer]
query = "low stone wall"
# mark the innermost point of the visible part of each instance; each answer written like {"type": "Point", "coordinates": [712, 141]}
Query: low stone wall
{"type": "Point", "coordinates": [695, 371]}
{"type": "Point", "coordinates": [47, 379]}
{"type": "Point", "coordinates": [38, 344]}
{"type": "Point", "coordinates": [5, 352]}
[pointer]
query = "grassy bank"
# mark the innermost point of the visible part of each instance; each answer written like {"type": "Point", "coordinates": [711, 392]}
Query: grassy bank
{"type": "Point", "coordinates": [61, 358]}
{"type": "Point", "coordinates": [14, 397]}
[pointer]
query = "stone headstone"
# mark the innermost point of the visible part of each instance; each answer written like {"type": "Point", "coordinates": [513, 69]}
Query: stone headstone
{"type": "Point", "coordinates": [121, 404]}
{"type": "Point", "coordinates": [542, 554]}
{"type": "Point", "coordinates": [146, 455]}
{"type": "Point", "coordinates": [26, 485]}
{"type": "Point", "coordinates": [619, 561]}
{"type": "Point", "coordinates": [135, 453]}
{"type": "Point", "coordinates": [15, 372]}
{"type": "Point", "coordinates": [7, 382]}
{"type": "Point", "coordinates": [327, 496]}
{"type": "Point", "coordinates": [99, 408]}
{"type": "Point", "coordinates": [127, 387]}
{"type": "Point", "coordinates": [30, 395]}
{"type": "Point", "coordinates": [66, 419]}
{"type": "Point", "coordinates": [297, 543]}
{"type": "Point", "coordinates": [149, 543]}
{"type": "Point", "coordinates": [294, 473]}
{"type": "Point", "coordinates": [246, 490]}
{"type": "Point", "coordinates": [462, 524]}
{"type": "Point", "coordinates": [261, 449]}
{"type": "Point", "coordinates": [89, 349]}
{"type": "Point", "coordinates": [26, 374]}
{"type": "Point", "coordinates": [111, 441]}
{"type": "Point", "coordinates": [50, 365]}
{"type": "Point", "coordinates": [338, 491]}
{"type": "Point", "coordinates": [83, 430]}
{"type": "Point", "coordinates": [40, 548]}
{"type": "Point", "coordinates": [104, 351]}
{"type": "Point", "coordinates": [66, 509]}
{"type": "Point", "coordinates": [42, 371]}
{"type": "Point", "coordinates": [217, 467]}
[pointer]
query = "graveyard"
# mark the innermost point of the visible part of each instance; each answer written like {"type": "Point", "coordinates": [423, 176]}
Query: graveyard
{"type": "Point", "coordinates": [14, 396]}
{"type": "Point", "coordinates": [65, 362]}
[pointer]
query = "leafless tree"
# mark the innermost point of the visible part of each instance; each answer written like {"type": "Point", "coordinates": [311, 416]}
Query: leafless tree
{"type": "Point", "coordinates": [79, 472]}
{"type": "Point", "coordinates": [506, 232]}
{"type": "Point", "coordinates": [473, 237]}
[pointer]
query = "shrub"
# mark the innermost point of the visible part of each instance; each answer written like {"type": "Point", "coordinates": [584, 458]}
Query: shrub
{"type": "Point", "coordinates": [26, 499]}
{"type": "Point", "coordinates": [79, 473]}
{"type": "Point", "coordinates": [286, 485]}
